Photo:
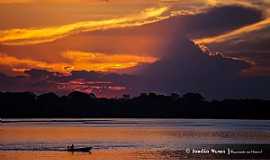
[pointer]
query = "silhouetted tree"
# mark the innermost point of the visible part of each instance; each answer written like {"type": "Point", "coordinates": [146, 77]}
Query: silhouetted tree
{"type": "Point", "coordinates": [193, 97]}
{"type": "Point", "coordinates": [126, 96]}
{"type": "Point", "coordinates": [152, 105]}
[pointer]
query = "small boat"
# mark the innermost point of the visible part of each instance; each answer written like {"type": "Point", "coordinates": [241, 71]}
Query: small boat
{"type": "Point", "coordinates": [79, 149]}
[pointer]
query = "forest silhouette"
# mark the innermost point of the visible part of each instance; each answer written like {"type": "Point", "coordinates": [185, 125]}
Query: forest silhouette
{"type": "Point", "coordinates": [147, 105]}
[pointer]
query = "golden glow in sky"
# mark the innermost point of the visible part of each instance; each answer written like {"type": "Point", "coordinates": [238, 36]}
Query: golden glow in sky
{"type": "Point", "coordinates": [77, 60]}
{"type": "Point", "coordinates": [30, 32]}
{"type": "Point", "coordinates": [26, 36]}
{"type": "Point", "coordinates": [235, 33]}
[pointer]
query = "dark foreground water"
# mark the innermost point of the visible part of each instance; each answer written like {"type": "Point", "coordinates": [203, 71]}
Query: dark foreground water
{"type": "Point", "coordinates": [126, 139]}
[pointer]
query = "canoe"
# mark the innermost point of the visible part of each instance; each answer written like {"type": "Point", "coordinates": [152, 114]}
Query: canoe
{"type": "Point", "coordinates": [80, 149]}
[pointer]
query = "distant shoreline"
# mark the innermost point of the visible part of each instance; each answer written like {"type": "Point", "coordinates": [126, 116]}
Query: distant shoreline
{"type": "Point", "coordinates": [109, 119]}
{"type": "Point", "coordinates": [25, 105]}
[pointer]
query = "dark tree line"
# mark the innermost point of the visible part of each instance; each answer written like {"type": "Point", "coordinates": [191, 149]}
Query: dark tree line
{"type": "Point", "coordinates": [151, 105]}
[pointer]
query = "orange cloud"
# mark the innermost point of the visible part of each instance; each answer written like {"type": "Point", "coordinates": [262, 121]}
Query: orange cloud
{"type": "Point", "coordinates": [97, 87]}
{"type": "Point", "coordinates": [102, 62]}
{"type": "Point", "coordinates": [23, 36]}
{"type": "Point", "coordinates": [61, 1]}
{"type": "Point", "coordinates": [20, 65]}
{"type": "Point", "coordinates": [234, 34]}
{"type": "Point", "coordinates": [76, 60]}
{"type": "Point", "coordinates": [15, 1]}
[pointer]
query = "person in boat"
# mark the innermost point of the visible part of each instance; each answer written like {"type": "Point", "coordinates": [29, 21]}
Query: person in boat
{"type": "Point", "coordinates": [70, 147]}
{"type": "Point", "coordinates": [78, 149]}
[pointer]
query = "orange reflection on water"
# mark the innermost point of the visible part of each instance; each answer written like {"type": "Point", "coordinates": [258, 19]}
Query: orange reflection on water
{"type": "Point", "coordinates": [121, 154]}
{"type": "Point", "coordinates": [21, 133]}
{"type": "Point", "coordinates": [68, 134]}
{"type": "Point", "coordinates": [47, 155]}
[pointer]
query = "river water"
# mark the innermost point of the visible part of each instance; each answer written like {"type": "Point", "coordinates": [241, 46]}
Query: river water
{"type": "Point", "coordinates": [46, 139]}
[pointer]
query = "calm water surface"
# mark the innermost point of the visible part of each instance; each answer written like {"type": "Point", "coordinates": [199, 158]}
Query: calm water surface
{"type": "Point", "coordinates": [122, 138]}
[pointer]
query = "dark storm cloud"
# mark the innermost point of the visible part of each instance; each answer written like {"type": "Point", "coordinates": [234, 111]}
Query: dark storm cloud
{"type": "Point", "coordinates": [253, 46]}
{"type": "Point", "coordinates": [214, 21]}
{"type": "Point", "coordinates": [186, 69]}
{"type": "Point", "coordinates": [41, 81]}
{"type": "Point", "coordinates": [190, 69]}
{"type": "Point", "coordinates": [223, 19]}
{"type": "Point", "coordinates": [183, 66]}
{"type": "Point", "coordinates": [143, 39]}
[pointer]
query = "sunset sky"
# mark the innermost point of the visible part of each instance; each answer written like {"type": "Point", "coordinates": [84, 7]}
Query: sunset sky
{"type": "Point", "coordinates": [111, 47]}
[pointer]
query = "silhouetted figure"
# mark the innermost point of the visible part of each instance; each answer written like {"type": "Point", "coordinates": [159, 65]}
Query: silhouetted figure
{"type": "Point", "coordinates": [70, 148]}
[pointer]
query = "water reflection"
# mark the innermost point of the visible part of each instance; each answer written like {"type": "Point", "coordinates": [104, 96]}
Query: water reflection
{"type": "Point", "coordinates": [123, 139]}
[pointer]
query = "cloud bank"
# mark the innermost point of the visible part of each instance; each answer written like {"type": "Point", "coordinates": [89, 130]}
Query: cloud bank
{"type": "Point", "coordinates": [24, 36]}
{"type": "Point", "coordinates": [163, 55]}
